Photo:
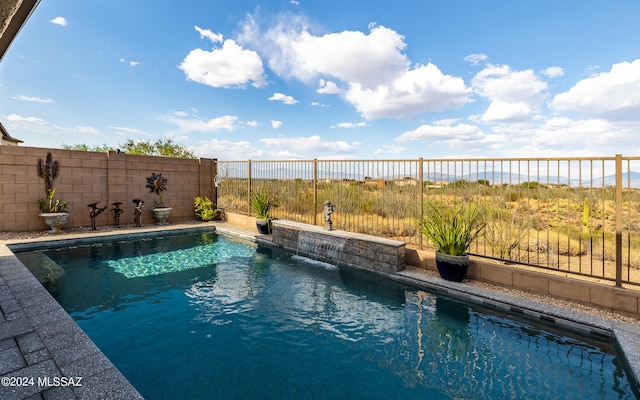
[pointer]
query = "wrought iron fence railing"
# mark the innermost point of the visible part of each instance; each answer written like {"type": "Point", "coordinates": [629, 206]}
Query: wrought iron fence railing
{"type": "Point", "coordinates": [575, 215]}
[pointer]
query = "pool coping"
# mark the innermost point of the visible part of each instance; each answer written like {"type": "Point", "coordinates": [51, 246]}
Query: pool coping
{"type": "Point", "coordinates": [37, 332]}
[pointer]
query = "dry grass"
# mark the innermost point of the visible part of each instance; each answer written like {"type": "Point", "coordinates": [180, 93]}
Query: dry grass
{"type": "Point", "coordinates": [559, 228]}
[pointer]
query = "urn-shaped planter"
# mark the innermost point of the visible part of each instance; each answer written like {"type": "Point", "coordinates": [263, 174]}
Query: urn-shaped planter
{"type": "Point", "coordinates": [452, 268]}
{"type": "Point", "coordinates": [55, 220]}
{"type": "Point", "coordinates": [162, 214]}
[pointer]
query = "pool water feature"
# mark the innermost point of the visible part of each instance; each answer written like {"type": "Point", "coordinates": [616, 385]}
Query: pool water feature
{"type": "Point", "coordinates": [320, 247]}
{"type": "Point", "coordinates": [258, 323]}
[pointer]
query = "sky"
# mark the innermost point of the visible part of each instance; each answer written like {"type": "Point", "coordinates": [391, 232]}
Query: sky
{"type": "Point", "coordinates": [303, 79]}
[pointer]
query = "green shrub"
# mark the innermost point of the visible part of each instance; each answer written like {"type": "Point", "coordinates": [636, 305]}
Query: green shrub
{"type": "Point", "coordinates": [204, 208]}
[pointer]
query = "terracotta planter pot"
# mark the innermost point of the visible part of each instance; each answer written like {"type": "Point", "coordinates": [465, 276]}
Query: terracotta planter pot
{"type": "Point", "coordinates": [452, 268]}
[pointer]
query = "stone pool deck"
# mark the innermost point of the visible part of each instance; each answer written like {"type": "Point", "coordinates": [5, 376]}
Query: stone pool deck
{"type": "Point", "coordinates": [40, 343]}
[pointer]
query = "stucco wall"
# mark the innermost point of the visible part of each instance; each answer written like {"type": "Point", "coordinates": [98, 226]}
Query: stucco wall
{"type": "Point", "coordinates": [88, 177]}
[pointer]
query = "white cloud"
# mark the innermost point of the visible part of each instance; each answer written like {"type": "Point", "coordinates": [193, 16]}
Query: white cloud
{"type": "Point", "coordinates": [350, 56]}
{"type": "Point", "coordinates": [88, 130]}
{"type": "Point", "coordinates": [313, 144]}
{"type": "Point", "coordinates": [131, 63]}
{"type": "Point", "coordinates": [283, 98]}
{"type": "Point", "coordinates": [513, 95]}
{"type": "Point", "coordinates": [253, 124]}
{"type": "Point", "coordinates": [444, 122]}
{"type": "Point", "coordinates": [225, 67]}
{"type": "Point", "coordinates": [208, 34]}
{"type": "Point", "coordinates": [328, 87]}
{"type": "Point", "coordinates": [379, 78]}
{"type": "Point", "coordinates": [505, 111]}
{"type": "Point", "coordinates": [565, 137]}
{"type": "Point", "coordinates": [226, 122]}
{"type": "Point", "coordinates": [128, 131]}
{"type": "Point", "coordinates": [29, 120]}
{"type": "Point", "coordinates": [31, 98]}
{"type": "Point", "coordinates": [390, 150]}
{"type": "Point", "coordinates": [553, 72]}
{"type": "Point", "coordinates": [276, 124]}
{"type": "Point", "coordinates": [61, 21]}
{"type": "Point", "coordinates": [350, 125]}
{"type": "Point", "coordinates": [612, 95]}
{"type": "Point", "coordinates": [475, 59]}
{"type": "Point", "coordinates": [428, 133]}
{"type": "Point", "coordinates": [422, 89]}
{"type": "Point", "coordinates": [228, 150]}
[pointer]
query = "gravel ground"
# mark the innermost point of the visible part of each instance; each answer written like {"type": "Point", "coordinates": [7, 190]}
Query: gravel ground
{"type": "Point", "coordinates": [18, 236]}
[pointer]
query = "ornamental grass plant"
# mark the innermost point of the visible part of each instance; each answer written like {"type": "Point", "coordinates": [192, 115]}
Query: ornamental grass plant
{"type": "Point", "coordinates": [452, 228]}
{"type": "Point", "coordinates": [261, 204]}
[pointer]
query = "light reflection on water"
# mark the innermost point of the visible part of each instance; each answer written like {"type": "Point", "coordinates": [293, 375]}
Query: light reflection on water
{"type": "Point", "coordinates": [265, 324]}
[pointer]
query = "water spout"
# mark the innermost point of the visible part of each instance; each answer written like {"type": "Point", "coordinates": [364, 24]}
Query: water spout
{"type": "Point", "coordinates": [321, 247]}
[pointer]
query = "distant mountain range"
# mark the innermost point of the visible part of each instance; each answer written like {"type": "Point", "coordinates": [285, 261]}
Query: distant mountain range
{"type": "Point", "coordinates": [629, 179]}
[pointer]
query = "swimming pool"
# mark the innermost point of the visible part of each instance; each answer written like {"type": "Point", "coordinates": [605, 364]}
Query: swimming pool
{"type": "Point", "coordinates": [211, 316]}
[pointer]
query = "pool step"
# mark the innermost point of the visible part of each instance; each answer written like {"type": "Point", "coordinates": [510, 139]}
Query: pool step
{"type": "Point", "coordinates": [42, 267]}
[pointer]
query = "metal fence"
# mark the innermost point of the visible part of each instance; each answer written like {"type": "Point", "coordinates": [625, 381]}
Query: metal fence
{"type": "Point", "coordinates": [575, 215]}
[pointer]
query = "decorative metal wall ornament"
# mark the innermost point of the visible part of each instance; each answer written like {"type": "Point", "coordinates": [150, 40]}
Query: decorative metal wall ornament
{"type": "Point", "coordinates": [48, 170]}
{"type": "Point", "coordinates": [156, 183]}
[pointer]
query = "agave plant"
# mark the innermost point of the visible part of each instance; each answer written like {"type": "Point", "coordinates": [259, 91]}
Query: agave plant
{"type": "Point", "coordinates": [261, 204]}
{"type": "Point", "coordinates": [452, 228]}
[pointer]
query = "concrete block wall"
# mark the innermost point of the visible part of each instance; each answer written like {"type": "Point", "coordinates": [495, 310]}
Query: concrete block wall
{"type": "Point", "coordinates": [370, 252]}
{"type": "Point", "coordinates": [88, 177]}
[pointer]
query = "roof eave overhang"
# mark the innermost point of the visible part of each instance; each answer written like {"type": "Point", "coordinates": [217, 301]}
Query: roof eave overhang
{"type": "Point", "coordinates": [17, 13]}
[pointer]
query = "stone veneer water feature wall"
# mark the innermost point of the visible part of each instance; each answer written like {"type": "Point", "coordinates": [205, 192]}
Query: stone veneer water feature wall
{"type": "Point", "coordinates": [340, 247]}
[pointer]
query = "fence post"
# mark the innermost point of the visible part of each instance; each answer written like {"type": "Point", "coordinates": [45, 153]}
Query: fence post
{"type": "Point", "coordinates": [618, 220]}
{"type": "Point", "coordinates": [421, 195]}
{"type": "Point", "coordinates": [249, 186]}
{"type": "Point", "coordinates": [214, 175]}
{"type": "Point", "coordinates": [315, 191]}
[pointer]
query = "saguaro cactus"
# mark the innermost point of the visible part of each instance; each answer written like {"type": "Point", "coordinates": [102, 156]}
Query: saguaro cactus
{"type": "Point", "coordinates": [48, 170]}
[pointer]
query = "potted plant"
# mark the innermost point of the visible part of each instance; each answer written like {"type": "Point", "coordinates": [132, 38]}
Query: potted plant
{"type": "Point", "coordinates": [53, 211]}
{"type": "Point", "coordinates": [158, 183]}
{"type": "Point", "coordinates": [261, 204]}
{"type": "Point", "coordinates": [452, 229]}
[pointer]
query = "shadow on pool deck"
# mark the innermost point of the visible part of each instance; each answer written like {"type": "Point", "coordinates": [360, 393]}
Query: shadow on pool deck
{"type": "Point", "coordinates": [40, 343]}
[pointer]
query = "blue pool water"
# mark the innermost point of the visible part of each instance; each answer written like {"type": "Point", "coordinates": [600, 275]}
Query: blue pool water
{"type": "Point", "coordinates": [207, 316]}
